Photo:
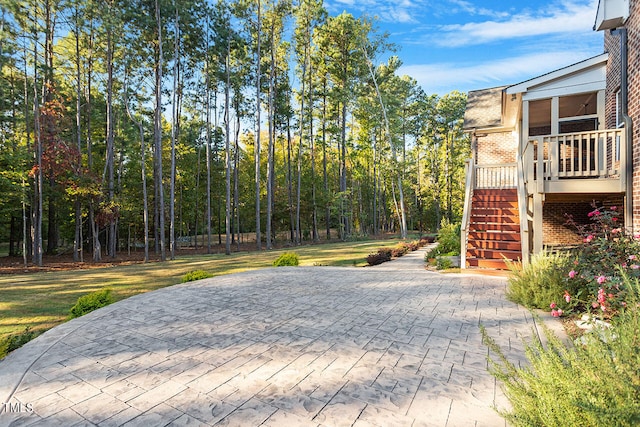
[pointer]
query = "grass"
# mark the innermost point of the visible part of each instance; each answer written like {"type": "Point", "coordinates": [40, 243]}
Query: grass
{"type": "Point", "coordinates": [40, 301]}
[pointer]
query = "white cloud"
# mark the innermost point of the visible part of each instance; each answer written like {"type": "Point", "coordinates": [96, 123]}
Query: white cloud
{"type": "Point", "coordinates": [444, 77]}
{"type": "Point", "coordinates": [471, 9]}
{"type": "Point", "coordinates": [398, 11]}
{"type": "Point", "coordinates": [569, 16]}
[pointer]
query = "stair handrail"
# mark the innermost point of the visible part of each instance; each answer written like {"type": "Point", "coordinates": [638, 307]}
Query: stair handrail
{"type": "Point", "coordinates": [470, 172]}
{"type": "Point", "coordinates": [523, 198]}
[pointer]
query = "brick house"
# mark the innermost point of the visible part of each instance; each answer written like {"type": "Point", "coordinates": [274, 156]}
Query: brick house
{"type": "Point", "coordinates": [551, 146]}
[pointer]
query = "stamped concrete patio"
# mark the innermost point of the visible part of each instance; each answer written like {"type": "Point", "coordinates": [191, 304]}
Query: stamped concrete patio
{"type": "Point", "coordinates": [392, 345]}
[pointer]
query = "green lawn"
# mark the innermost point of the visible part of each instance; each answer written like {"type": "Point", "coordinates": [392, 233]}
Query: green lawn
{"type": "Point", "coordinates": [43, 300]}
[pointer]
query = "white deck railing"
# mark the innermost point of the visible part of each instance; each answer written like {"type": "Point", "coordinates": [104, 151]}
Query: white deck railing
{"type": "Point", "coordinates": [498, 176]}
{"type": "Point", "coordinates": [595, 154]}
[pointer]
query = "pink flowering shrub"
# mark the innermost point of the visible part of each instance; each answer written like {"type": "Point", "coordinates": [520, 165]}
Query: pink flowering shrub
{"type": "Point", "coordinates": [608, 252]}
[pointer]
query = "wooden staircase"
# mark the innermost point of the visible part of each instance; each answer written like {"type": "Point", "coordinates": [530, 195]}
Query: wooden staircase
{"type": "Point", "coordinates": [494, 229]}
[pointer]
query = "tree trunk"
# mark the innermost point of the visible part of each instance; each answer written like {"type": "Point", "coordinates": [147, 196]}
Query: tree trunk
{"type": "Point", "coordinates": [110, 154]}
{"type": "Point", "coordinates": [78, 254]}
{"type": "Point", "coordinates": [375, 185]}
{"type": "Point", "coordinates": [157, 133]}
{"type": "Point", "coordinates": [236, 190]}
{"type": "Point", "coordinates": [314, 214]}
{"type": "Point", "coordinates": [344, 219]}
{"type": "Point", "coordinates": [227, 151]}
{"type": "Point", "coordinates": [325, 177]}
{"type": "Point", "coordinates": [292, 222]}
{"type": "Point", "coordinates": [174, 137]}
{"type": "Point", "coordinates": [257, 136]}
{"type": "Point", "coordinates": [270, 148]}
{"type": "Point", "coordinates": [37, 209]}
{"type": "Point", "coordinates": [95, 236]}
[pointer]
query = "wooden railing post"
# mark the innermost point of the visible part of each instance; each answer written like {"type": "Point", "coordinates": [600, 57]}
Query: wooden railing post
{"type": "Point", "coordinates": [540, 165]}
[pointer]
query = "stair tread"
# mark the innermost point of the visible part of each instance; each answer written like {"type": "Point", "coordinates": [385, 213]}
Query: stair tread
{"type": "Point", "coordinates": [490, 227]}
{"type": "Point", "coordinates": [494, 229]}
{"type": "Point", "coordinates": [494, 254]}
{"type": "Point", "coordinates": [507, 245]}
{"type": "Point", "coordinates": [497, 264]}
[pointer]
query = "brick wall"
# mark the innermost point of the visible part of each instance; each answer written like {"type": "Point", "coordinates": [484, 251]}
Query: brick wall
{"type": "Point", "coordinates": [612, 45]}
{"type": "Point", "coordinates": [633, 30]}
{"type": "Point", "coordinates": [497, 148]}
{"type": "Point", "coordinates": [556, 231]}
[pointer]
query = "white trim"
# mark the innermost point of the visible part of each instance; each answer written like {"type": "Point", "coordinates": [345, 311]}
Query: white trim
{"type": "Point", "coordinates": [611, 14]}
{"type": "Point", "coordinates": [565, 91]}
{"type": "Point", "coordinates": [557, 74]}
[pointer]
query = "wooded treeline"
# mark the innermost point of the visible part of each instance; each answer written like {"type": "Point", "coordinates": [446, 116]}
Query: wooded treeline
{"type": "Point", "coordinates": [146, 122]}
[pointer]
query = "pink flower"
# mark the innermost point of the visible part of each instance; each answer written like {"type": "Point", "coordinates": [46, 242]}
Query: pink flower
{"type": "Point", "coordinates": [614, 208]}
{"type": "Point", "coordinates": [635, 266]}
{"type": "Point", "coordinates": [560, 312]}
{"type": "Point", "coordinates": [555, 313]}
{"type": "Point", "coordinates": [616, 230]}
{"type": "Point", "coordinates": [594, 304]}
{"type": "Point", "coordinates": [603, 308]}
{"type": "Point", "coordinates": [552, 305]}
{"type": "Point", "coordinates": [589, 238]}
{"type": "Point", "coordinates": [567, 297]}
{"type": "Point", "coordinates": [632, 257]}
{"type": "Point", "coordinates": [601, 280]}
{"type": "Point", "coordinates": [636, 236]}
{"type": "Point", "coordinates": [572, 274]}
{"type": "Point", "coordinates": [601, 296]}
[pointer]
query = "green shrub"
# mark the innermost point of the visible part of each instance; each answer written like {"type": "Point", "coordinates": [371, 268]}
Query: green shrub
{"type": "Point", "coordinates": [593, 384]}
{"type": "Point", "coordinates": [287, 259]}
{"type": "Point", "coordinates": [196, 275]}
{"type": "Point", "coordinates": [443, 263]}
{"type": "Point", "coordinates": [541, 282]}
{"type": "Point", "coordinates": [448, 242]}
{"type": "Point", "coordinates": [90, 302]}
{"type": "Point", "coordinates": [14, 341]}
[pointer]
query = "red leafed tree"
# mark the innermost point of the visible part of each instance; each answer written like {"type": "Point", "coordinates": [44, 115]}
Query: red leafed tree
{"type": "Point", "coordinates": [60, 160]}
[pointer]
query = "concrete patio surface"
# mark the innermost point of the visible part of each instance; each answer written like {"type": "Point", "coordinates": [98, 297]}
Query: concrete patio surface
{"type": "Point", "coordinates": [392, 345]}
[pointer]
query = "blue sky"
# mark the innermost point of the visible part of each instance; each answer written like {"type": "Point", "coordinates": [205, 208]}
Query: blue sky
{"type": "Point", "coordinates": [464, 45]}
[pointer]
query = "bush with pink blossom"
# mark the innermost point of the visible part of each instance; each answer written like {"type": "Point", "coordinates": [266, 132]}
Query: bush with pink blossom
{"type": "Point", "coordinates": [607, 252]}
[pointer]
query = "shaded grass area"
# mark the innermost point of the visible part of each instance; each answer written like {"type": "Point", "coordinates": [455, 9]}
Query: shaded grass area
{"type": "Point", "coordinates": [42, 300]}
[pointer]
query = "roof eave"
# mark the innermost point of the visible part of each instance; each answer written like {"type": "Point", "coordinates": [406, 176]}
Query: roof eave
{"type": "Point", "coordinates": [553, 75]}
